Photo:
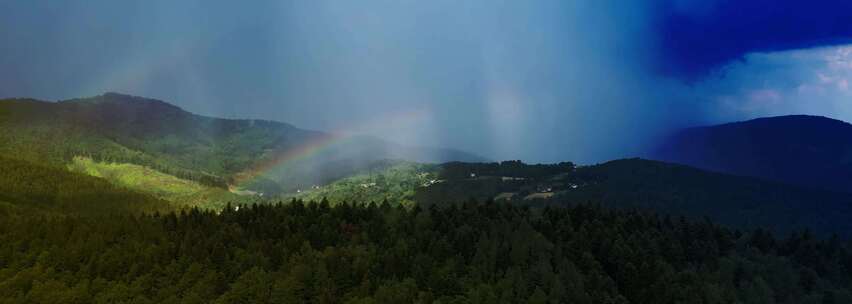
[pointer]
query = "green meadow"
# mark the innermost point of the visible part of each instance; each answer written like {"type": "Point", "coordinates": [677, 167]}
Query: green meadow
{"type": "Point", "coordinates": [181, 192]}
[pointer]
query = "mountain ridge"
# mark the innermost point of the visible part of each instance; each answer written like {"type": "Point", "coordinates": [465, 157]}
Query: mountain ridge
{"type": "Point", "coordinates": [151, 132]}
{"type": "Point", "coordinates": [813, 151]}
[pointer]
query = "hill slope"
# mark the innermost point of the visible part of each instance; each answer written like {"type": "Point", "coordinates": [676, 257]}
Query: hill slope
{"type": "Point", "coordinates": [741, 202]}
{"type": "Point", "coordinates": [179, 192]}
{"type": "Point", "coordinates": [737, 201]}
{"type": "Point", "coordinates": [392, 181]}
{"type": "Point", "coordinates": [26, 187]}
{"type": "Point", "coordinates": [803, 150]}
{"type": "Point", "coordinates": [212, 151]}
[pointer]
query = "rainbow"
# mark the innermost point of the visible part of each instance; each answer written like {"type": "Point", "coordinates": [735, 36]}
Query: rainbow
{"type": "Point", "coordinates": [282, 158]}
{"type": "Point", "coordinates": [324, 143]}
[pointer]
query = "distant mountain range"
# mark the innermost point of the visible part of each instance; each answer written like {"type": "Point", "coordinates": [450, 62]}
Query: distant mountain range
{"type": "Point", "coordinates": [157, 153]}
{"type": "Point", "coordinates": [215, 151]}
{"type": "Point", "coordinates": [803, 150]}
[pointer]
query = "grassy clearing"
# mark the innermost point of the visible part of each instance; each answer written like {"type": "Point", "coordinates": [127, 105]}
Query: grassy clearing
{"type": "Point", "coordinates": [168, 187]}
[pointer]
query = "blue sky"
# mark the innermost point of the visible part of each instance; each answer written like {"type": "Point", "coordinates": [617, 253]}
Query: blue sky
{"type": "Point", "coordinates": [534, 80]}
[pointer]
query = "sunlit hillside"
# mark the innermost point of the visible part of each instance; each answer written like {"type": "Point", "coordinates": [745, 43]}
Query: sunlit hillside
{"type": "Point", "coordinates": [29, 189]}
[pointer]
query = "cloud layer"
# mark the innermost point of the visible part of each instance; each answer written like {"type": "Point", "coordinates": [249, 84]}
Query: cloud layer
{"type": "Point", "coordinates": [698, 36]}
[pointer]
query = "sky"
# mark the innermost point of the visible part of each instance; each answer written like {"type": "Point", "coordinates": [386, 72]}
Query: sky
{"type": "Point", "coordinates": [541, 81]}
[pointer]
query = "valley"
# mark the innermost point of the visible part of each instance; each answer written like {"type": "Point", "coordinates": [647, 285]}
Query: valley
{"type": "Point", "coordinates": [263, 210]}
{"type": "Point", "coordinates": [152, 147]}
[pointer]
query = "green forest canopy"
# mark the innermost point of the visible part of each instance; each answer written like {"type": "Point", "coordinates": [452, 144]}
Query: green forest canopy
{"type": "Point", "coordinates": [468, 253]}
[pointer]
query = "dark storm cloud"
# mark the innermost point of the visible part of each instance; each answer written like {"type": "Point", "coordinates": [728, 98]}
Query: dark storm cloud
{"type": "Point", "coordinates": [699, 36]}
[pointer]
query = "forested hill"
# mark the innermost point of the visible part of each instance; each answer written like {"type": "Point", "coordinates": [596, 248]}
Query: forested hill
{"type": "Point", "coordinates": [733, 200]}
{"type": "Point", "coordinates": [136, 130]}
{"type": "Point", "coordinates": [647, 185]}
{"type": "Point", "coordinates": [803, 150]}
{"type": "Point", "coordinates": [122, 128]}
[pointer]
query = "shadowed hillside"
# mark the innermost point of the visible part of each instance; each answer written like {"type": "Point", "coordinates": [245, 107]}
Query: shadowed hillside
{"type": "Point", "coordinates": [803, 150]}
{"type": "Point", "coordinates": [732, 200]}
{"type": "Point", "coordinates": [672, 189]}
